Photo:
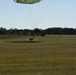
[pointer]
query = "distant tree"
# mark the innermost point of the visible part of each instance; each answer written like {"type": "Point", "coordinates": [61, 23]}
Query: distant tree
{"type": "Point", "coordinates": [20, 32]}
{"type": "Point", "coordinates": [71, 31]}
{"type": "Point", "coordinates": [42, 33]}
{"type": "Point", "coordinates": [75, 31]}
{"type": "Point", "coordinates": [15, 31]}
{"type": "Point", "coordinates": [11, 31]}
{"type": "Point", "coordinates": [37, 31]}
{"type": "Point", "coordinates": [3, 31]}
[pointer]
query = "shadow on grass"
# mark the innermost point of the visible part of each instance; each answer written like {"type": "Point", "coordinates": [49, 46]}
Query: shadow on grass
{"type": "Point", "coordinates": [24, 41]}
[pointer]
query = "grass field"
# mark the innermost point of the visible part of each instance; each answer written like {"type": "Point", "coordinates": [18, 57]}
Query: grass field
{"type": "Point", "coordinates": [51, 55]}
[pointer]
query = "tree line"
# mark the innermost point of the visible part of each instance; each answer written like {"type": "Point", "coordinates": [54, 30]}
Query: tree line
{"type": "Point", "coordinates": [38, 32]}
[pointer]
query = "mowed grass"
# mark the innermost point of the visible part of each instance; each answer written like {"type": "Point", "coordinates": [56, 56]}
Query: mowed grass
{"type": "Point", "coordinates": [52, 55]}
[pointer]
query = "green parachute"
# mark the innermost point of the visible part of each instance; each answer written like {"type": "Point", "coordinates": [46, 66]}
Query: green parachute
{"type": "Point", "coordinates": [27, 1]}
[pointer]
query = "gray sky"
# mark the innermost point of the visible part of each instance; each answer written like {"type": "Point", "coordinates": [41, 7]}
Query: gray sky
{"type": "Point", "coordinates": [45, 14]}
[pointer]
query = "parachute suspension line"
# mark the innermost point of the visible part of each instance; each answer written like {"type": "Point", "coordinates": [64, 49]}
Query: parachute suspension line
{"type": "Point", "coordinates": [45, 11]}
{"type": "Point", "coordinates": [32, 17]}
{"type": "Point", "coordinates": [23, 11]}
{"type": "Point", "coordinates": [36, 15]}
{"type": "Point", "coordinates": [41, 12]}
{"type": "Point", "coordinates": [29, 17]}
{"type": "Point", "coordinates": [26, 13]}
{"type": "Point", "coordinates": [39, 15]}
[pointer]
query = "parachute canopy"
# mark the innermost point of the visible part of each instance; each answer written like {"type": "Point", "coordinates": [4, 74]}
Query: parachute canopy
{"type": "Point", "coordinates": [27, 1]}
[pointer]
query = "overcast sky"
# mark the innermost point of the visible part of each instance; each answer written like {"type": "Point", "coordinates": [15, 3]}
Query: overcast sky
{"type": "Point", "coordinates": [45, 14]}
